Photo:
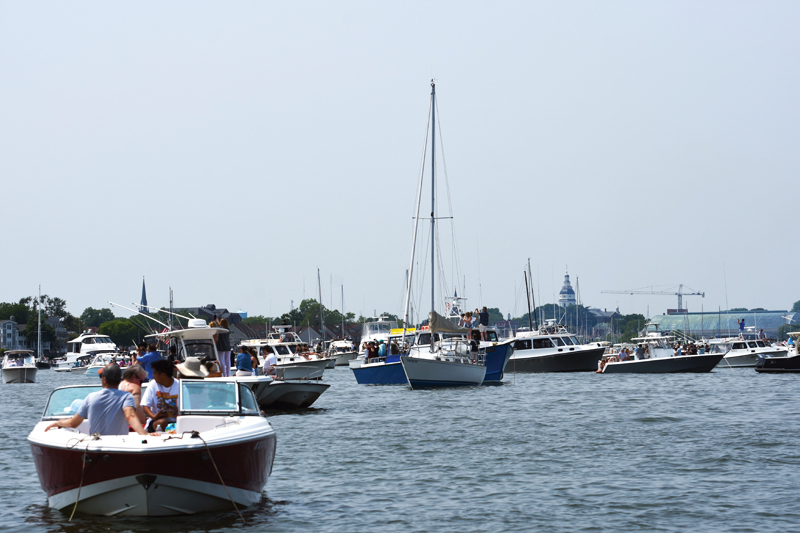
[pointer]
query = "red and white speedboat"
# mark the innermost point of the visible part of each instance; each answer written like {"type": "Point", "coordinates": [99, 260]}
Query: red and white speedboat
{"type": "Point", "coordinates": [220, 452]}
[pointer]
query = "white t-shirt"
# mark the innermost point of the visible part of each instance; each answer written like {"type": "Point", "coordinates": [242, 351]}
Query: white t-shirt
{"type": "Point", "coordinates": [157, 398]}
{"type": "Point", "coordinates": [269, 360]}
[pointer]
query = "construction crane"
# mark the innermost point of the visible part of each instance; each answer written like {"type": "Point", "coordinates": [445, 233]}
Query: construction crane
{"type": "Point", "coordinates": [680, 293]}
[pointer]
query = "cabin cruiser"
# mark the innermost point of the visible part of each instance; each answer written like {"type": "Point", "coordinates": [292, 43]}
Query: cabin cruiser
{"type": "Point", "coordinates": [19, 366]}
{"type": "Point", "coordinates": [294, 359]}
{"type": "Point", "coordinates": [342, 351]}
{"type": "Point", "coordinates": [378, 329]}
{"type": "Point", "coordinates": [66, 364]}
{"type": "Point", "coordinates": [552, 348]}
{"type": "Point", "coordinates": [86, 347]}
{"type": "Point", "coordinates": [445, 363]}
{"type": "Point", "coordinates": [655, 355]}
{"type": "Point", "coordinates": [220, 454]}
{"type": "Point", "coordinates": [789, 364]}
{"type": "Point", "coordinates": [741, 352]}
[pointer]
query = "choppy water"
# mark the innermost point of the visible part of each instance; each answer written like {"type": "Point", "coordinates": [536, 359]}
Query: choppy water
{"type": "Point", "coordinates": [549, 452]}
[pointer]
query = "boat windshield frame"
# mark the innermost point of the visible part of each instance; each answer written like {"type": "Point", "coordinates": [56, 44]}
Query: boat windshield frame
{"type": "Point", "coordinates": [57, 392]}
{"type": "Point", "coordinates": [241, 394]}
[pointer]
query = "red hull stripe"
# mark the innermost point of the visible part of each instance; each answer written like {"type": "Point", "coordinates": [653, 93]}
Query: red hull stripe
{"type": "Point", "coordinates": [244, 465]}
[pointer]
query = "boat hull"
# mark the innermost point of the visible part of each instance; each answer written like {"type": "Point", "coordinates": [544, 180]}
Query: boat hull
{"type": "Point", "coordinates": [380, 374]}
{"type": "Point", "coordinates": [666, 365]}
{"type": "Point", "coordinates": [290, 395]}
{"type": "Point", "coordinates": [155, 484]}
{"type": "Point", "coordinates": [779, 365]}
{"type": "Point", "coordinates": [425, 373]}
{"type": "Point", "coordinates": [23, 374]}
{"type": "Point", "coordinates": [497, 358]}
{"type": "Point", "coordinates": [43, 365]}
{"type": "Point", "coordinates": [584, 360]}
{"type": "Point", "coordinates": [343, 359]}
{"type": "Point", "coordinates": [313, 369]}
{"type": "Point", "coordinates": [748, 359]}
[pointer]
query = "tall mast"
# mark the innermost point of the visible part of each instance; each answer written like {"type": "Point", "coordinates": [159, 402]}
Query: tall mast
{"type": "Point", "coordinates": [321, 315]}
{"type": "Point", "coordinates": [343, 312]}
{"type": "Point", "coordinates": [39, 340]}
{"type": "Point", "coordinates": [433, 199]}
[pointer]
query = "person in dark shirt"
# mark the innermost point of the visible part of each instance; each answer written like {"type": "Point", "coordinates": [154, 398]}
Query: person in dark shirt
{"type": "Point", "coordinates": [483, 323]}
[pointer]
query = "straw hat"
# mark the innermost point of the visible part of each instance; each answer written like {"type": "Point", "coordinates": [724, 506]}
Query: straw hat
{"type": "Point", "coordinates": [192, 368]}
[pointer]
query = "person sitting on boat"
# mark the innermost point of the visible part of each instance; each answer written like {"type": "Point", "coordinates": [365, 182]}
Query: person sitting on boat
{"type": "Point", "coordinates": [678, 350]}
{"type": "Point", "coordinates": [160, 400]}
{"type": "Point", "coordinates": [132, 378]}
{"type": "Point", "coordinates": [148, 359]}
{"type": "Point", "coordinates": [623, 354]}
{"type": "Point", "coordinates": [109, 410]}
{"type": "Point", "coordinates": [270, 362]}
{"type": "Point", "coordinates": [244, 366]}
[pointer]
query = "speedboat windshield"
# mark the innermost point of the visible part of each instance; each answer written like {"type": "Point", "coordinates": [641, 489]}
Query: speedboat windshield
{"type": "Point", "coordinates": [378, 327]}
{"type": "Point", "coordinates": [66, 401]}
{"type": "Point", "coordinates": [217, 397]}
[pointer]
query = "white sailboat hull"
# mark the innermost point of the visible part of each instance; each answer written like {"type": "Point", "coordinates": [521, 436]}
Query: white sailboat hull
{"type": "Point", "coordinates": [427, 373]}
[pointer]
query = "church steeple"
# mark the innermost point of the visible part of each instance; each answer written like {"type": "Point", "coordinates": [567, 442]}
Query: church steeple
{"type": "Point", "coordinates": [143, 303]}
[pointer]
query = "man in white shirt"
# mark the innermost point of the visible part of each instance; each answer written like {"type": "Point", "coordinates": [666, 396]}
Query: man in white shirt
{"type": "Point", "coordinates": [269, 362]}
{"type": "Point", "coordinates": [160, 400]}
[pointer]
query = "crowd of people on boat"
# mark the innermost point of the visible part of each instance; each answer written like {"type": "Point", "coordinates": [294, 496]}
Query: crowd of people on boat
{"type": "Point", "coordinates": [478, 319]}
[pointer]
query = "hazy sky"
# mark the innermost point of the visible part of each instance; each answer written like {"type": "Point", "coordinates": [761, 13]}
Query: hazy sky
{"type": "Point", "coordinates": [228, 150]}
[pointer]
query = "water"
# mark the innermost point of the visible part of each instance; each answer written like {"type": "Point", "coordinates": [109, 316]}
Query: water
{"type": "Point", "coordinates": [548, 452]}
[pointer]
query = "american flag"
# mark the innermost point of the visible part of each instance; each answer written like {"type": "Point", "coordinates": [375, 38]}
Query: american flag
{"type": "Point", "coordinates": [165, 340]}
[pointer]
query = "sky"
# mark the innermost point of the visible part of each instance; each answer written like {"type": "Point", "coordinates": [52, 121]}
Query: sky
{"type": "Point", "coordinates": [229, 150]}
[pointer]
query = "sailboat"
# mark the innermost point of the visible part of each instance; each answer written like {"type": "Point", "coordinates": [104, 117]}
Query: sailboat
{"type": "Point", "coordinates": [446, 362]}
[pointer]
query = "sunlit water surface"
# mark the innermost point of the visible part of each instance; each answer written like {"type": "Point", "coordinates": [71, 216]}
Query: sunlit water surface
{"type": "Point", "coordinates": [548, 452]}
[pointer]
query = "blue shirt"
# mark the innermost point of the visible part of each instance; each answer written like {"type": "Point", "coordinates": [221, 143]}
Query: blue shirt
{"type": "Point", "coordinates": [382, 350]}
{"type": "Point", "coordinates": [243, 362]}
{"type": "Point", "coordinates": [104, 411]}
{"type": "Point", "coordinates": [147, 360]}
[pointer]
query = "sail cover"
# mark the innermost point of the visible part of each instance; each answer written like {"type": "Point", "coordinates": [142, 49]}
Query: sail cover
{"type": "Point", "coordinates": [440, 324]}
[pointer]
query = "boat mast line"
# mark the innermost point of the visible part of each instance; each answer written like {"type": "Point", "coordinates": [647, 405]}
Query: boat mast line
{"type": "Point", "coordinates": [139, 313]}
{"type": "Point", "coordinates": [163, 311]}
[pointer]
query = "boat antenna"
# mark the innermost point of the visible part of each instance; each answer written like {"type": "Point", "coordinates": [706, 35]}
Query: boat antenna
{"type": "Point", "coordinates": [139, 313]}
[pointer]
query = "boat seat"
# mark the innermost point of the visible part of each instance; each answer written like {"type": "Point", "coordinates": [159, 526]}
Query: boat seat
{"type": "Point", "coordinates": [188, 423]}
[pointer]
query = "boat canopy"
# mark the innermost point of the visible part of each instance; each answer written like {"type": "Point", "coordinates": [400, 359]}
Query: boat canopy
{"type": "Point", "coordinates": [191, 334]}
{"type": "Point", "coordinates": [439, 324]}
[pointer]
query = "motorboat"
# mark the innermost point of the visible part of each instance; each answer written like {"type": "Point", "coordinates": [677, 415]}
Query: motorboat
{"type": "Point", "coordinates": [19, 366]}
{"type": "Point", "coordinates": [552, 348]}
{"type": "Point", "coordinates": [66, 364]}
{"type": "Point", "coordinates": [739, 352]}
{"type": "Point", "coordinates": [342, 351]}
{"type": "Point", "coordinates": [100, 361]}
{"type": "Point", "coordinates": [294, 362]}
{"type": "Point", "coordinates": [219, 455]}
{"type": "Point", "coordinates": [376, 330]}
{"type": "Point", "coordinates": [86, 347]}
{"type": "Point", "coordinates": [445, 363]}
{"type": "Point", "coordinates": [655, 355]}
{"type": "Point", "coordinates": [197, 340]}
{"type": "Point", "coordinates": [386, 370]}
{"type": "Point", "coordinates": [790, 364]}
{"type": "Point", "coordinates": [42, 363]}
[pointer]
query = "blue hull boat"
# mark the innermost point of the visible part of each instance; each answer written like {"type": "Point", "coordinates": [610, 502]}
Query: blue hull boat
{"type": "Point", "coordinates": [389, 372]}
{"type": "Point", "coordinates": [496, 358]}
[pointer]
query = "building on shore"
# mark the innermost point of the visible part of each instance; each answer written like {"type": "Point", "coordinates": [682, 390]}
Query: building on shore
{"type": "Point", "coordinates": [566, 296]}
{"type": "Point", "coordinates": [719, 324]}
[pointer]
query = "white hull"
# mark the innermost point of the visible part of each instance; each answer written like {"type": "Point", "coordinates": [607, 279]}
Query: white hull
{"type": "Point", "coordinates": [423, 372]}
{"type": "Point", "coordinates": [169, 496]}
{"type": "Point", "coordinates": [743, 359]}
{"type": "Point", "coordinates": [343, 359]}
{"type": "Point", "coordinates": [313, 369]}
{"type": "Point", "coordinates": [21, 374]}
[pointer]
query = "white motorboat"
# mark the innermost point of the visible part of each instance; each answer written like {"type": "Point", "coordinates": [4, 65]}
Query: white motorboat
{"type": "Point", "coordinates": [294, 359]}
{"type": "Point", "coordinates": [86, 347]}
{"type": "Point", "coordinates": [220, 454]}
{"type": "Point", "coordinates": [67, 364]}
{"type": "Point", "coordinates": [378, 329]}
{"type": "Point", "coordinates": [744, 353]}
{"type": "Point", "coordinates": [552, 348]}
{"type": "Point", "coordinates": [19, 366]}
{"type": "Point", "coordinates": [342, 351]}
{"type": "Point", "coordinates": [656, 356]}
{"type": "Point", "coordinates": [100, 361]}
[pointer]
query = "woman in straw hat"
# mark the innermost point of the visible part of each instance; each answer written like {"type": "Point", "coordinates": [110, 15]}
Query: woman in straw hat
{"type": "Point", "coordinates": [192, 368]}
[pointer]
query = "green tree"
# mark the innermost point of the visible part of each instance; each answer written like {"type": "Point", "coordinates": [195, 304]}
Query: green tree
{"type": "Point", "coordinates": [796, 307]}
{"type": "Point", "coordinates": [93, 318]}
{"type": "Point", "coordinates": [737, 310]}
{"type": "Point", "coordinates": [628, 326]}
{"type": "Point", "coordinates": [31, 332]}
{"type": "Point", "coordinates": [121, 330]}
{"type": "Point", "coordinates": [21, 311]}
